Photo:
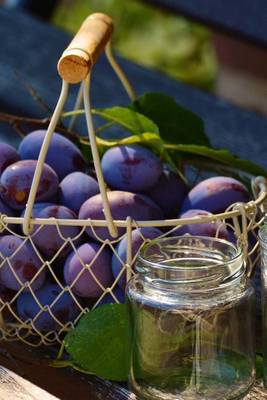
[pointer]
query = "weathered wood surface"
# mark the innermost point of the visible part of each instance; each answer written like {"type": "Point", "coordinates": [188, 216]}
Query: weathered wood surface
{"type": "Point", "coordinates": [32, 49]}
{"type": "Point", "coordinates": [15, 387]}
{"type": "Point", "coordinates": [243, 18]}
{"type": "Point", "coordinates": [257, 393]}
{"type": "Point", "coordinates": [33, 365]}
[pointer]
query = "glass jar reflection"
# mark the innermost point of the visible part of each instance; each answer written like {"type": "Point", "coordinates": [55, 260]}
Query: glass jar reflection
{"type": "Point", "coordinates": [192, 314]}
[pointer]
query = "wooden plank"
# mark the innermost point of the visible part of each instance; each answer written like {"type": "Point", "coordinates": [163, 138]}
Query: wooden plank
{"type": "Point", "coordinates": [257, 393]}
{"type": "Point", "coordinates": [243, 18]}
{"type": "Point", "coordinates": [15, 387]}
{"type": "Point", "coordinates": [33, 365]}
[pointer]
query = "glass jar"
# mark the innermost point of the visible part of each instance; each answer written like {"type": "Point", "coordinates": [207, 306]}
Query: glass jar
{"type": "Point", "coordinates": [263, 247]}
{"type": "Point", "coordinates": [192, 311]}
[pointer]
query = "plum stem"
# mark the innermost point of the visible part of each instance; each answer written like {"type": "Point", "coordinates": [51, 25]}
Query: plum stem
{"type": "Point", "coordinates": [16, 121]}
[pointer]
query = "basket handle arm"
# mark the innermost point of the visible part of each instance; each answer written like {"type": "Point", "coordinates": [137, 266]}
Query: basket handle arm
{"type": "Point", "coordinates": [83, 51]}
{"type": "Point", "coordinates": [41, 159]}
{"type": "Point", "coordinates": [74, 66]}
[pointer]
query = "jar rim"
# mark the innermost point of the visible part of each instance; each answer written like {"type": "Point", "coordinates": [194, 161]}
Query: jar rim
{"type": "Point", "coordinates": [238, 253]}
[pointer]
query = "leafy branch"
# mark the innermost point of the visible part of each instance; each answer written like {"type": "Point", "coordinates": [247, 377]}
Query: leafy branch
{"type": "Point", "coordinates": [154, 121]}
{"type": "Point", "coordinates": [146, 132]}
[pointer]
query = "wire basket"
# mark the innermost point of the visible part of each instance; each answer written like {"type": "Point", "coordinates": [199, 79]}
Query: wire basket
{"type": "Point", "coordinates": [53, 320]}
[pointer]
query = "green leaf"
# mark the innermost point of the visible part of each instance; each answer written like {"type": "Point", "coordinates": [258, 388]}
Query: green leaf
{"type": "Point", "coordinates": [220, 155]}
{"type": "Point", "coordinates": [176, 123]}
{"type": "Point", "coordinates": [68, 363]}
{"type": "Point", "coordinates": [100, 343]}
{"type": "Point", "coordinates": [61, 363]}
{"type": "Point", "coordinates": [129, 119]}
{"type": "Point", "coordinates": [151, 140]}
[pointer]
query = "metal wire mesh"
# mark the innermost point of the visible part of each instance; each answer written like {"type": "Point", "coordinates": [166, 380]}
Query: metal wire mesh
{"type": "Point", "coordinates": [240, 219]}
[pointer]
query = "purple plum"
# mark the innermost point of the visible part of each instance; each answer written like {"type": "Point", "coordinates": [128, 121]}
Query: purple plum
{"type": "Point", "coordinates": [211, 229]}
{"type": "Point", "coordinates": [75, 189]}
{"type": "Point", "coordinates": [24, 262]}
{"type": "Point", "coordinates": [122, 205]}
{"type": "Point", "coordinates": [37, 208]}
{"type": "Point", "coordinates": [48, 239]}
{"type": "Point", "coordinates": [8, 155]}
{"type": "Point", "coordinates": [168, 192]}
{"type": "Point", "coordinates": [139, 236]}
{"type": "Point", "coordinates": [215, 194]}
{"type": "Point", "coordinates": [99, 265]}
{"type": "Point", "coordinates": [16, 180]}
{"type": "Point", "coordinates": [131, 168]}
{"type": "Point", "coordinates": [63, 156]}
{"type": "Point", "coordinates": [63, 308]}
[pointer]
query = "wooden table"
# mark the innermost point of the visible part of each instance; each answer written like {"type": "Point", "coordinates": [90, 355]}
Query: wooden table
{"type": "Point", "coordinates": [31, 49]}
{"type": "Point", "coordinates": [65, 384]}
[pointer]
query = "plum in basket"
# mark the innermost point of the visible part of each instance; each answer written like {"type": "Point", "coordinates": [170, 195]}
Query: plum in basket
{"type": "Point", "coordinates": [98, 268]}
{"type": "Point", "coordinates": [122, 205]}
{"type": "Point", "coordinates": [132, 168]}
{"type": "Point", "coordinates": [23, 264]}
{"type": "Point", "coordinates": [62, 308]}
{"type": "Point", "coordinates": [16, 180]}
{"type": "Point", "coordinates": [215, 194]}
{"type": "Point", "coordinates": [63, 155]}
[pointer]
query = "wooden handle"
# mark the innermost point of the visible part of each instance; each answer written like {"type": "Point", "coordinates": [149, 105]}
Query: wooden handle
{"type": "Point", "coordinates": [82, 53]}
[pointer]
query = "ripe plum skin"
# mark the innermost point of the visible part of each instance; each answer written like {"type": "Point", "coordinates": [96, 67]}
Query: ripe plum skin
{"type": "Point", "coordinates": [215, 194]}
{"type": "Point", "coordinates": [210, 229]}
{"type": "Point", "coordinates": [16, 180]}
{"type": "Point", "coordinates": [24, 262]}
{"type": "Point", "coordinates": [48, 239]}
{"type": "Point", "coordinates": [64, 309]}
{"type": "Point", "coordinates": [75, 189]}
{"type": "Point", "coordinates": [37, 208]}
{"type": "Point", "coordinates": [4, 209]}
{"type": "Point", "coordinates": [168, 192]}
{"type": "Point", "coordinates": [138, 237]}
{"type": "Point", "coordinates": [131, 168]}
{"type": "Point", "coordinates": [63, 155]}
{"type": "Point", "coordinates": [86, 285]}
{"type": "Point", "coordinates": [8, 155]}
{"type": "Point", "coordinates": [122, 205]}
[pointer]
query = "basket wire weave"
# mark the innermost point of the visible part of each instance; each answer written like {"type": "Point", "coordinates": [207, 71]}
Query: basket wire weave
{"type": "Point", "coordinates": [243, 219]}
